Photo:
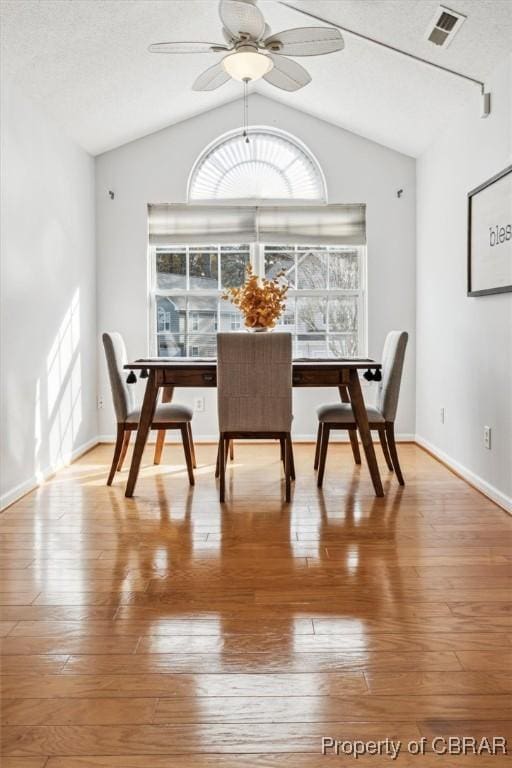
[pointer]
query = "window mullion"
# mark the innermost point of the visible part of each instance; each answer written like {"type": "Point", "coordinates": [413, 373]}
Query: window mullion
{"type": "Point", "coordinates": [255, 257]}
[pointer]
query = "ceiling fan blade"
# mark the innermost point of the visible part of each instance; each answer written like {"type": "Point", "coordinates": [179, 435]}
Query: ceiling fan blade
{"type": "Point", "coordinates": [287, 74]}
{"type": "Point", "coordinates": [240, 17]}
{"type": "Point", "coordinates": [187, 47]}
{"type": "Point", "coordinates": [211, 78]}
{"type": "Point", "coordinates": [306, 41]}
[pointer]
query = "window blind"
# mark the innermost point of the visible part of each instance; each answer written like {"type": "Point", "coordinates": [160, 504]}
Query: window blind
{"type": "Point", "coordinates": [175, 224]}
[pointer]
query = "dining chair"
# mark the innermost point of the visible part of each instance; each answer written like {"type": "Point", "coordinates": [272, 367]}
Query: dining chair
{"type": "Point", "coordinates": [380, 418]}
{"type": "Point", "coordinates": [167, 415]}
{"type": "Point", "coordinates": [254, 394]}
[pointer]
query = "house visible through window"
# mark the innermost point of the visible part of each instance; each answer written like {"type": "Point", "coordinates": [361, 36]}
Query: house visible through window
{"type": "Point", "coordinates": [325, 308]}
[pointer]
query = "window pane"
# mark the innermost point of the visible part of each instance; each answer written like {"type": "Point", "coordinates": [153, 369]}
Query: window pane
{"type": "Point", "coordinates": [344, 346]}
{"type": "Point", "coordinates": [287, 319]}
{"type": "Point", "coordinates": [280, 259]}
{"type": "Point", "coordinates": [170, 345]}
{"type": "Point", "coordinates": [231, 318]}
{"type": "Point", "coordinates": [171, 268]}
{"type": "Point", "coordinates": [204, 268]}
{"type": "Point", "coordinates": [202, 345]}
{"type": "Point", "coordinates": [343, 314]}
{"type": "Point", "coordinates": [170, 324]}
{"type": "Point", "coordinates": [311, 345]}
{"type": "Point", "coordinates": [344, 269]}
{"type": "Point", "coordinates": [202, 315]}
{"type": "Point", "coordinates": [311, 314]}
{"type": "Point", "coordinates": [311, 270]}
{"type": "Point", "coordinates": [233, 263]}
{"type": "Point", "coordinates": [170, 313]}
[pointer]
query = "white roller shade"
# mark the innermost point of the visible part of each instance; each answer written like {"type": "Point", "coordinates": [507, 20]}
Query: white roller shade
{"type": "Point", "coordinates": [207, 224]}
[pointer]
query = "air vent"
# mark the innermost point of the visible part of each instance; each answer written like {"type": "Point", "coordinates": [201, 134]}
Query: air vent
{"type": "Point", "coordinates": [444, 26]}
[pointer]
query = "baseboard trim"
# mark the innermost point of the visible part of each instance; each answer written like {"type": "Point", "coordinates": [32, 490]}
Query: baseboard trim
{"type": "Point", "coordinates": [492, 493]}
{"type": "Point", "coordinates": [15, 494]}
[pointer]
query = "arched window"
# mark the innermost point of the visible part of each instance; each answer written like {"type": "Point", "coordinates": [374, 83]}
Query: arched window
{"type": "Point", "coordinates": [272, 166]}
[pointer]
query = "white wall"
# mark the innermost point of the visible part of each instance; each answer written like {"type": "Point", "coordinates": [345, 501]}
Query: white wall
{"type": "Point", "coordinates": [464, 352]}
{"type": "Point", "coordinates": [156, 168]}
{"type": "Point", "coordinates": [48, 350]}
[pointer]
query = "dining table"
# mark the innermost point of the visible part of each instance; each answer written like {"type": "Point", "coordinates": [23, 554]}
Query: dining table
{"type": "Point", "coordinates": [167, 374]}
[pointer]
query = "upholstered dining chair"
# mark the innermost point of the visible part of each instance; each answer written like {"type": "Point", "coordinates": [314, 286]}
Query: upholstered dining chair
{"type": "Point", "coordinates": [167, 415]}
{"type": "Point", "coordinates": [380, 418]}
{"type": "Point", "coordinates": [254, 394]}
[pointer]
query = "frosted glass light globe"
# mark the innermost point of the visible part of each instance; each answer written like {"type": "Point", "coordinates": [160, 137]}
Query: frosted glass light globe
{"type": "Point", "coordinates": [247, 65]}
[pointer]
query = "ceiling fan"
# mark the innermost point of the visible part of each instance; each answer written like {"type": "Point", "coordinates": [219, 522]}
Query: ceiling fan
{"type": "Point", "coordinates": [252, 52]}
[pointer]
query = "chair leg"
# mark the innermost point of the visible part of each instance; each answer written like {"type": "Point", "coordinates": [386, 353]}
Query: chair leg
{"type": "Point", "coordinates": [231, 450]}
{"type": "Point", "coordinates": [126, 442]}
{"type": "Point", "coordinates": [354, 442]}
{"type": "Point", "coordinates": [385, 449]}
{"type": "Point", "coordinates": [222, 469]}
{"type": "Point", "coordinates": [292, 460]}
{"type": "Point", "coordinates": [318, 443]}
{"type": "Point", "coordinates": [283, 443]}
{"type": "Point", "coordinates": [226, 452]}
{"type": "Point", "coordinates": [217, 464]}
{"type": "Point", "coordinates": [192, 446]}
{"type": "Point", "coordinates": [323, 454]}
{"type": "Point", "coordinates": [187, 451]}
{"type": "Point", "coordinates": [117, 453]}
{"type": "Point", "coordinates": [159, 446]}
{"type": "Point", "coordinates": [390, 434]}
{"type": "Point", "coordinates": [288, 467]}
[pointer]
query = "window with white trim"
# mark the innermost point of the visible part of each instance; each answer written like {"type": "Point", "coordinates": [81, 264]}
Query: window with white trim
{"type": "Point", "coordinates": [272, 166]}
{"type": "Point", "coordinates": [325, 309]}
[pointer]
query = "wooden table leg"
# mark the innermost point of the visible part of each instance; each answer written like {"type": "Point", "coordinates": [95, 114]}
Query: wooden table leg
{"type": "Point", "coordinates": [167, 393]}
{"type": "Point", "coordinates": [352, 435]}
{"type": "Point", "coordinates": [146, 418]}
{"type": "Point", "coordinates": [361, 419]}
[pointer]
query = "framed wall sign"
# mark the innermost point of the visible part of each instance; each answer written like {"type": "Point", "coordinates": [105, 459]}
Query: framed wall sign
{"type": "Point", "coordinates": [490, 236]}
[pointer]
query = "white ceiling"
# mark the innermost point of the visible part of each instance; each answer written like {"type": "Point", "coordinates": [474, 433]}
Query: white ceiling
{"type": "Point", "coordinates": [86, 62]}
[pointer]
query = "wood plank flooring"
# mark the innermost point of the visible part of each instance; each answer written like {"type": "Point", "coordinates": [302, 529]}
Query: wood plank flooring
{"type": "Point", "coordinates": [166, 631]}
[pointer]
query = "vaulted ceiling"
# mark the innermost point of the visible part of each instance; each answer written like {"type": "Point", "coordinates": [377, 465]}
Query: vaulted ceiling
{"type": "Point", "coordinates": [86, 62]}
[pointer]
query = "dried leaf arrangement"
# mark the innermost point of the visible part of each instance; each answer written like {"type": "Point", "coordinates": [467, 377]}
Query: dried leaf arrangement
{"type": "Point", "coordinates": [261, 301]}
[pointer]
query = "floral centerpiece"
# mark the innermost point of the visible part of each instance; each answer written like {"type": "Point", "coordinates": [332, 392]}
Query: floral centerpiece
{"type": "Point", "coordinates": [261, 301]}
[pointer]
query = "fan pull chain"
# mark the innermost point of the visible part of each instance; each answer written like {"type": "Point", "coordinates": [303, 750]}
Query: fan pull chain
{"type": "Point", "coordinates": [246, 110]}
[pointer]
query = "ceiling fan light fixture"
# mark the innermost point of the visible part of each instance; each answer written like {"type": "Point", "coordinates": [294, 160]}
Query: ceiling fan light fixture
{"type": "Point", "coordinates": [247, 65]}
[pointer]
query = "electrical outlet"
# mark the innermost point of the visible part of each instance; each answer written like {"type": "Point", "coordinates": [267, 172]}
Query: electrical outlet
{"type": "Point", "coordinates": [442, 415]}
{"type": "Point", "coordinates": [487, 437]}
{"type": "Point", "coordinates": [100, 403]}
{"type": "Point", "coordinates": [199, 404]}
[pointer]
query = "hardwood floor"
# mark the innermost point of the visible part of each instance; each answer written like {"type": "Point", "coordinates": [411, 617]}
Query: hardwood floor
{"type": "Point", "coordinates": [170, 631]}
